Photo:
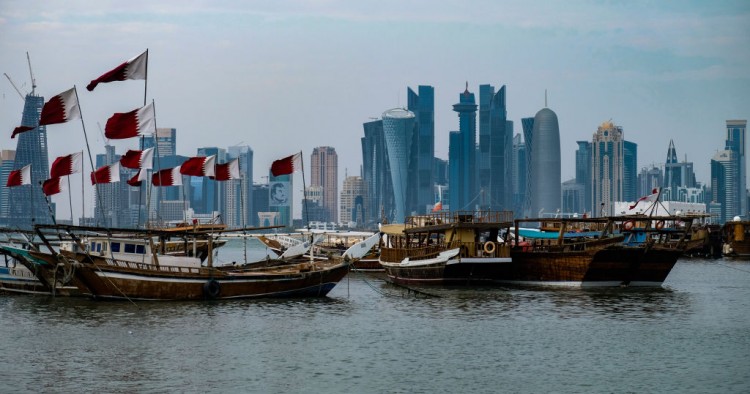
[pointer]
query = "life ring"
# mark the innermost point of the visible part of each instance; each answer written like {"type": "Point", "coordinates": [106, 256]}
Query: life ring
{"type": "Point", "coordinates": [211, 289]}
{"type": "Point", "coordinates": [628, 225]}
{"type": "Point", "coordinates": [489, 247]}
{"type": "Point", "coordinates": [660, 225]}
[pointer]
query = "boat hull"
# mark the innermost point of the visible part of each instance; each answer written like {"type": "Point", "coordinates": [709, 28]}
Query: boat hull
{"type": "Point", "coordinates": [48, 278]}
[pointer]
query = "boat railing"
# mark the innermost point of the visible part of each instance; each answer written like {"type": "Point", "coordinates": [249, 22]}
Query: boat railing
{"type": "Point", "coordinates": [154, 267]}
{"type": "Point", "coordinates": [413, 253]}
{"type": "Point", "coordinates": [468, 217]}
{"type": "Point", "coordinates": [481, 249]}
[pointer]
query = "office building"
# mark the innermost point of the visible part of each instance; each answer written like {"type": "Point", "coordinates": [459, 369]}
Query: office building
{"type": "Point", "coordinates": [462, 155]}
{"type": "Point", "coordinates": [545, 173]}
{"type": "Point", "coordinates": [324, 170]}
{"type": "Point", "coordinates": [352, 201]}
{"type": "Point", "coordinates": [398, 128]}
{"type": "Point", "coordinates": [423, 151]}
{"type": "Point", "coordinates": [379, 202]}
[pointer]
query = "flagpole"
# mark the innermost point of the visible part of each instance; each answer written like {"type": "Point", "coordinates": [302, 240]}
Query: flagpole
{"type": "Point", "coordinates": [304, 191]}
{"type": "Point", "coordinates": [88, 149]}
{"type": "Point", "coordinates": [140, 191]}
{"type": "Point", "coordinates": [158, 164]}
{"type": "Point", "coordinates": [83, 204]}
{"type": "Point", "coordinates": [70, 199]}
{"type": "Point", "coordinates": [145, 84]}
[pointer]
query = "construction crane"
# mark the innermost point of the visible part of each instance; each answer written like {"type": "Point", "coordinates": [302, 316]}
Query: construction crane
{"type": "Point", "coordinates": [14, 86]}
{"type": "Point", "coordinates": [33, 81]}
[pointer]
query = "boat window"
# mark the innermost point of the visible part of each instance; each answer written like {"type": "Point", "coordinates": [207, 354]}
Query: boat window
{"type": "Point", "coordinates": [104, 247]}
{"type": "Point", "coordinates": [140, 249]}
{"type": "Point", "coordinates": [129, 248]}
{"type": "Point", "coordinates": [115, 247]}
{"type": "Point", "coordinates": [97, 247]}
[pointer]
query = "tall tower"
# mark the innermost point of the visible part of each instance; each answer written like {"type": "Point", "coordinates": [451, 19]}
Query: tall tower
{"type": "Point", "coordinates": [352, 195]}
{"type": "Point", "coordinates": [583, 172]}
{"type": "Point", "coordinates": [545, 180]}
{"type": "Point", "coordinates": [239, 201]}
{"type": "Point", "coordinates": [423, 151]}
{"type": "Point", "coordinates": [607, 158]}
{"type": "Point", "coordinates": [724, 184]}
{"type": "Point", "coordinates": [324, 168]}
{"type": "Point", "coordinates": [28, 205]}
{"type": "Point", "coordinates": [495, 149]}
{"type": "Point", "coordinates": [629, 171]}
{"type": "Point", "coordinates": [7, 157]}
{"type": "Point", "coordinates": [462, 155]}
{"type": "Point", "coordinates": [379, 200]}
{"type": "Point", "coordinates": [110, 205]}
{"type": "Point", "coordinates": [519, 174]}
{"type": "Point", "coordinates": [736, 143]}
{"type": "Point", "coordinates": [398, 128]}
{"type": "Point", "coordinates": [528, 136]}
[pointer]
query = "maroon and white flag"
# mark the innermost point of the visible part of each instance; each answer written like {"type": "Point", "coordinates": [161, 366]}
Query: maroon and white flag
{"type": "Point", "coordinates": [136, 159]}
{"type": "Point", "coordinates": [134, 68]}
{"type": "Point", "coordinates": [106, 174]}
{"type": "Point", "coordinates": [227, 171]}
{"type": "Point", "coordinates": [168, 177]}
{"type": "Point", "coordinates": [66, 165]}
{"type": "Point", "coordinates": [52, 186]}
{"type": "Point", "coordinates": [138, 179]}
{"type": "Point", "coordinates": [60, 108]}
{"type": "Point", "coordinates": [199, 166]}
{"type": "Point", "coordinates": [650, 198]}
{"type": "Point", "coordinates": [21, 129]}
{"type": "Point", "coordinates": [20, 177]}
{"type": "Point", "coordinates": [130, 124]}
{"type": "Point", "coordinates": [287, 165]}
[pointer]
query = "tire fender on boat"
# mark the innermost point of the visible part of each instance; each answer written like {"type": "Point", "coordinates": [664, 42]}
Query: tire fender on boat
{"type": "Point", "coordinates": [660, 225]}
{"type": "Point", "coordinates": [211, 289]}
{"type": "Point", "coordinates": [489, 247]}
{"type": "Point", "coordinates": [628, 225]}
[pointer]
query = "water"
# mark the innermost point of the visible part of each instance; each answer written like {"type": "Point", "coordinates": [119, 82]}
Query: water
{"type": "Point", "coordinates": [369, 336]}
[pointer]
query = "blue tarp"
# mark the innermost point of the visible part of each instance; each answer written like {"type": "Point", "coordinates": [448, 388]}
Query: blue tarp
{"type": "Point", "coordinates": [528, 233]}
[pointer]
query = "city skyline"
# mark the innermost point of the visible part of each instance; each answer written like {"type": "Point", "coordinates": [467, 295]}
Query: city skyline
{"type": "Point", "coordinates": [221, 74]}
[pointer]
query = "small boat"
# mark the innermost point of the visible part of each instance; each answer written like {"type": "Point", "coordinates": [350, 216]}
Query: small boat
{"type": "Point", "coordinates": [736, 238]}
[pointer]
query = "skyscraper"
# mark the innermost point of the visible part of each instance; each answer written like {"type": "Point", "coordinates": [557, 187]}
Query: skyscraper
{"type": "Point", "coordinates": [629, 171]}
{"type": "Point", "coordinates": [495, 149]}
{"type": "Point", "coordinates": [379, 200]}
{"type": "Point", "coordinates": [239, 192]}
{"type": "Point", "coordinates": [528, 136]}
{"type": "Point", "coordinates": [324, 169]}
{"type": "Point", "coordinates": [398, 128]}
{"type": "Point", "coordinates": [724, 184]}
{"type": "Point", "coordinates": [607, 174]}
{"type": "Point", "coordinates": [462, 155]}
{"type": "Point", "coordinates": [519, 175]}
{"type": "Point", "coordinates": [677, 175]}
{"type": "Point", "coordinates": [423, 151]}
{"type": "Point", "coordinates": [7, 157]}
{"type": "Point", "coordinates": [736, 143]}
{"type": "Point", "coordinates": [212, 191]}
{"type": "Point", "coordinates": [352, 197]}
{"type": "Point", "coordinates": [545, 179]}
{"type": "Point", "coordinates": [583, 173]}
{"type": "Point", "coordinates": [111, 204]}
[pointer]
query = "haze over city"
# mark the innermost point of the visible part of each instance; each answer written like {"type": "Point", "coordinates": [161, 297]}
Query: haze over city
{"type": "Point", "coordinates": [296, 75]}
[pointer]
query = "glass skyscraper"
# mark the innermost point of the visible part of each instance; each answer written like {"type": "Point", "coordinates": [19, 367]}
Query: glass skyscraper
{"type": "Point", "coordinates": [545, 180]}
{"type": "Point", "coordinates": [376, 174]}
{"type": "Point", "coordinates": [736, 143]}
{"type": "Point", "coordinates": [462, 155]}
{"type": "Point", "coordinates": [583, 173]}
{"type": "Point", "coordinates": [423, 151]}
{"type": "Point", "coordinates": [398, 128]}
{"type": "Point", "coordinates": [324, 170]}
{"type": "Point", "coordinates": [494, 177]}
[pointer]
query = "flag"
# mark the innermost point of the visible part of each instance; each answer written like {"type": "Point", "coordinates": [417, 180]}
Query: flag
{"type": "Point", "coordinates": [130, 124]}
{"type": "Point", "coordinates": [227, 171]}
{"type": "Point", "coordinates": [106, 174]}
{"type": "Point", "coordinates": [287, 165]}
{"type": "Point", "coordinates": [60, 108]}
{"type": "Point", "coordinates": [66, 165]}
{"type": "Point", "coordinates": [438, 206]}
{"type": "Point", "coordinates": [20, 177]}
{"type": "Point", "coordinates": [136, 159]}
{"type": "Point", "coordinates": [138, 179]}
{"type": "Point", "coordinates": [21, 129]}
{"type": "Point", "coordinates": [650, 198]}
{"type": "Point", "coordinates": [199, 166]}
{"type": "Point", "coordinates": [168, 177]}
{"type": "Point", "coordinates": [134, 68]}
{"type": "Point", "coordinates": [52, 186]}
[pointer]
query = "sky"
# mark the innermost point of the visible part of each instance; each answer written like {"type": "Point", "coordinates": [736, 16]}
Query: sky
{"type": "Point", "coordinates": [288, 76]}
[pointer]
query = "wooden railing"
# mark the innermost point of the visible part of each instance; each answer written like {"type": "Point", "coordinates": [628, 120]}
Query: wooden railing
{"type": "Point", "coordinates": [438, 218]}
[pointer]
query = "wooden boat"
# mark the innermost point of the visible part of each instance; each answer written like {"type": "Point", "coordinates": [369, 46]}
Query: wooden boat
{"type": "Point", "coordinates": [16, 278]}
{"type": "Point", "coordinates": [47, 277]}
{"type": "Point", "coordinates": [460, 248]}
{"type": "Point", "coordinates": [736, 238]}
{"type": "Point", "coordinates": [141, 273]}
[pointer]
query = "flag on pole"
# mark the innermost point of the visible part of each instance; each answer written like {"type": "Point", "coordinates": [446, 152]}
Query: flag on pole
{"type": "Point", "coordinates": [21, 129]}
{"type": "Point", "coordinates": [167, 177]}
{"type": "Point", "coordinates": [650, 198]}
{"type": "Point", "coordinates": [52, 186]}
{"type": "Point", "coordinates": [199, 166]}
{"type": "Point", "coordinates": [437, 207]}
{"type": "Point", "coordinates": [60, 108]}
{"type": "Point", "coordinates": [287, 165]}
{"type": "Point", "coordinates": [228, 171]}
{"type": "Point", "coordinates": [20, 177]}
{"type": "Point", "coordinates": [138, 179]}
{"type": "Point", "coordinates": [134, 68]}
{"type": "Point", "coordinates": [66, 165]}
{"type": "Point", "coordinates": [130, 124]}
{"type": "Point", "coordinates": [106, 174]}
{"type": "Point", "coordinates": [136, 159]}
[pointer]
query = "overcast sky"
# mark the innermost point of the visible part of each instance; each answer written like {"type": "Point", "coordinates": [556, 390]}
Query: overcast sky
{"type": "Point", "coordinates": [287, 76]}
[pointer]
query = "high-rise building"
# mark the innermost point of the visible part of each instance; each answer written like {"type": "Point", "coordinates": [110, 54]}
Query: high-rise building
{"type": "Point", "coordinates": [111, 199]}
{"type": "Point", "coordinates": [379, 202]}
{"type": "Point", "coordinates": [649, 179]}
{"type": "Point", "coordinates": [352, 198]}
{"type": "Point", "coordinates": [724, 184]}
{"type": "Point", "coordinates": [7, 157]}
{"type": "Point", "coordinates": [607, 175]}
{"type": "Point", "coordinates": [212, 191]}
{"type": "Point", "coordinates": [495, 149]}
{"type": "Point", "coordinates": [583, 173]}
{"type": "Point", "coordinates": [545, 174]}
{"type": "Point", "coordinates": [239, 192]}
{"type": "Point", "coordinates": [423, 150]}
{"type": "Point", "coordinates": [260, 204]}
{"type": "Point", "coordinates": [519, 175]}
{"type": "Point", "coordinates": [462, 161]}
{"type": "Point", "coordinates": [677, 175]}
{"type": "Point", "coordinates": [28, 205]}
{"type": "Point", "coordinates": [528, 136]}
{"type": "Point", "coordinates": [736, 143]}
{"type": "Point", "coordinates": [166, 143]}
{"type": "Point", "coordinates": [324, 170]}
{"type": "Point", "coordinates": [630, 171]}
{"type": "Point", "coordinates": [572, 197]}
{"type": "Point", "coordinates": [398, 128]}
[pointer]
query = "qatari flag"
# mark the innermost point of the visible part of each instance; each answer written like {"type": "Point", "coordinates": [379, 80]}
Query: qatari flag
{"type": "Point", "coordinates": [136, 159]}
{"type": "Point", "coordinates": [20, 177]}
{"type": "Point", "coordinates": [130, 124]}
{"type": "Point", "coordinates": [21, 129]}
{"type": "Point", "coordinates": [60, 108]}
{"type": "Point", "coordinates": [52, 186]}
{"type": "Point", "coordinates": [287, 165]}
{"type": "Point", "coordinates": [138, 179]}
{"type": "Point", "coordinates": [199, 166]}
{"type": "Point", "coordinates": [66, 165]}
{"type": "Point", "coordinates": [134, 68]}
{"type": "Point", "coordinates": [168, 177]}
{"type": "Point", "coordinates": [228, 171]}
{"type": "Point", "coordinates": [106, 174]}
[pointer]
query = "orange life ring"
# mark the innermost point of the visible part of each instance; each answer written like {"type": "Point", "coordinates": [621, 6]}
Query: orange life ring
{"type": "Point", "coordinates": [489, 247]}
{"type": "Point", "coordinates": [628, 225]}
{"type": "Point", "coordinates": [660, 225]}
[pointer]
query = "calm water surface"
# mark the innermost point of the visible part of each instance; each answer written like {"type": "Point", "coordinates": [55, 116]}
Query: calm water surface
{"type": "Point", "coordinates": [368, 336]}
